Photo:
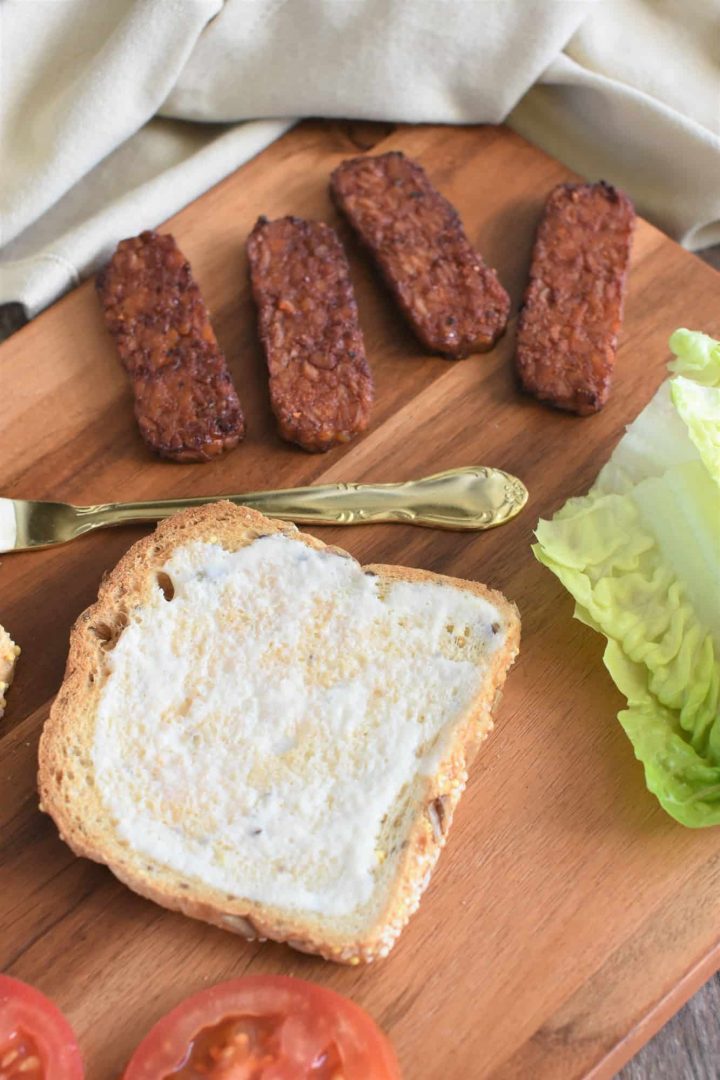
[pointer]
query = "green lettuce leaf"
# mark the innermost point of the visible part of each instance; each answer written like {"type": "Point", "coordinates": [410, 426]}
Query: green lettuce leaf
{"type": "Point", "coordinates": [699, 408]}
{"type": "Point", "coordinates": [640, 553]}
{"type": "Point", "coordinates": [697, 356]}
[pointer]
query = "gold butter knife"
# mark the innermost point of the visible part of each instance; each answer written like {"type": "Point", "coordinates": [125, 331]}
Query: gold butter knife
{"type": "Point", "coordinates": [475, 497]}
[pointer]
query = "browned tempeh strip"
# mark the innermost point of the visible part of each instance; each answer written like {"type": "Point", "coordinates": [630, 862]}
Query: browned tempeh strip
{"type": "Point", "coordinates": [572, 312]}
{"type": "Point", "coordinates": [185, 402]}
{"type": "Point", "coordinates": [452, 300]}
{"type": "Point", "coordinates": [321, 388]}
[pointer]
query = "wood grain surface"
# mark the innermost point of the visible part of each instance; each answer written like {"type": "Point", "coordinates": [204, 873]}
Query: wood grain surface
{"type": "Point", "coordinates": [568, 916]}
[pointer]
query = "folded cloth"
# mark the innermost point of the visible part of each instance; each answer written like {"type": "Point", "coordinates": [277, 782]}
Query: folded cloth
{"type": "Point", "coordinates": [115, 115]}
{"type": "Point", "coordinates": [635, 98]}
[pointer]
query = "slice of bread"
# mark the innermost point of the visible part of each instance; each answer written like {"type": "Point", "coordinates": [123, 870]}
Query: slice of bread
{"type": "Point", "coordinates": [256, 731]}
{"type": "Point", "coordinates": [9, 653]}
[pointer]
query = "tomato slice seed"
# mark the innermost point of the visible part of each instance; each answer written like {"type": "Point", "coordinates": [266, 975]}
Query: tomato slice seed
{"type": "Point", "coordinates": [327, 1065]}
{"type": "Point", "coordinates": [250, 1041]}
{"type": "Point", "coordinates": [20, 1058]}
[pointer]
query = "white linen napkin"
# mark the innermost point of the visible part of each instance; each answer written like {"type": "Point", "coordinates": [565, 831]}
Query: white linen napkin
{"type": "Point", "coordinates": [635, 98]}
{"type": "Point", "coordinates": [113, 115]}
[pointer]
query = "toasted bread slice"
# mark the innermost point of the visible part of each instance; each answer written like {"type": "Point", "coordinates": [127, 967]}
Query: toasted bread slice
{"type": "Point", "coordinates": [256, 731]}
{"type": "Point", "coordinates": [9, 653]}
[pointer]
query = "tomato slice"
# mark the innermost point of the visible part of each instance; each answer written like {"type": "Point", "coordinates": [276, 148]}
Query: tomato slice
{"type": "Point", "coordinates": [36, 1041]}
{"type": "Point", "coordinates": [265, 1027]}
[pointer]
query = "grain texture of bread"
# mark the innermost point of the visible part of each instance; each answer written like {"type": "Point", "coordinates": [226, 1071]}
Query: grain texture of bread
{"type": "Point", "coordinates": [410, 839]}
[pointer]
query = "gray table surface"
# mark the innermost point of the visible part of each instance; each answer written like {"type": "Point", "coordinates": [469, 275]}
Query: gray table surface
{"type": "Point", "coordinates": [688, 1047]}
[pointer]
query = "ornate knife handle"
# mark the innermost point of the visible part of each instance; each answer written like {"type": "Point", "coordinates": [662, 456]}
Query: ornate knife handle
{"type": "Point", "coordinates": [475, 497]}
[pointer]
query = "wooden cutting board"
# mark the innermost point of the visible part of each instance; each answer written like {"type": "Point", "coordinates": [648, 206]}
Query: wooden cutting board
{"type": "Point", "coordinates": [568, 916]}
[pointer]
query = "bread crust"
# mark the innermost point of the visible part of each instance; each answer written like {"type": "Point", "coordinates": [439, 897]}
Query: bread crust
{"type": "Point", "coordinates": [77, 809]}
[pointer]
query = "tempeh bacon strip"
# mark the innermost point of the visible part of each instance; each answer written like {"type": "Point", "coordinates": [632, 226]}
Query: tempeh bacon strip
{"type": "Point", "coordinates": [572, 311]}
{"type": "Point", "coordinates": [321, 388]}
{"type": "Point", "coordinates": [452, 300]}
{"type": "Point", "coordinates": [185, 402]}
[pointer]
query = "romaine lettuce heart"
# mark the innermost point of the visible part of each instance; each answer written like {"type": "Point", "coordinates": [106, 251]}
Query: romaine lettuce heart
{"type": "Point", "coordinates": [699, 408]}
{"type": "Point", "coordinates": [641, 556]}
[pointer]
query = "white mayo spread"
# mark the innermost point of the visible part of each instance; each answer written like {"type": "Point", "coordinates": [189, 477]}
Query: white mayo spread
{"type": "Point", "coordinates": [255, 729]}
